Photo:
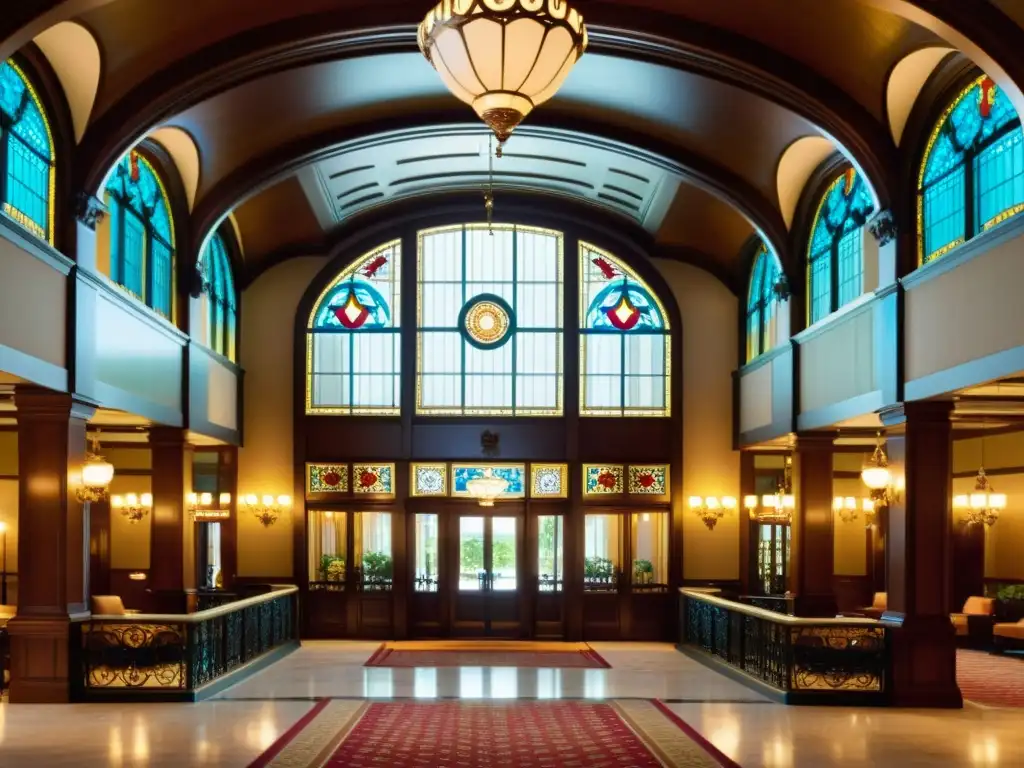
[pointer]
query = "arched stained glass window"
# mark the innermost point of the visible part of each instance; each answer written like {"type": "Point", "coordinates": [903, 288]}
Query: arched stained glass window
{"type": "Point", "coordinates": [762, 303]}
{"type": "Point", "coordinates": [26, 154]}
{"type": "Point", "coordinates": [972, 176]}
{"type": "Point", "coordinates": [219, 292]}
{"type": "Point", "coordinates": [835, 256]}
{"type": "Point", "coordinates": [353, 342]}
{"type": "Point", "coordinates": [141, 233]}
{"type": "Point", "coordinates": [625, 345]}
{"type": "Point", "coordinates": [490, 329]}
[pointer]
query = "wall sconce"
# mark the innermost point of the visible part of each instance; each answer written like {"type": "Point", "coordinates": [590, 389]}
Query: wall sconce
{"type": "Point", "coordinates": [267, 509]}
{"type": "Point", "coordinates": [97, 473]}
{"type": "Point", "coordinates": [201, 507]}
{"type": "Point", "coordinates": [848, 508]}
{"type": "Point", "coordinates": [771, 508]}
{"type": "Point", "coordinates": [885, 491]}
{"type": "Point", "coordinates": [137, 576]}
{"type": "Point", "coordinates": [712, 509]}
{"type": "Point", "coordinates": [131, 506]}
{"type": "Point", "coordinates": [981, 507]}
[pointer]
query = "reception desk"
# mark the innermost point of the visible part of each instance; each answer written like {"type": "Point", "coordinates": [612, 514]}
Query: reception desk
{"type": "Point", "coordinates": [181, 657]}
{"type": "Point", "coordinates": [842, 661]}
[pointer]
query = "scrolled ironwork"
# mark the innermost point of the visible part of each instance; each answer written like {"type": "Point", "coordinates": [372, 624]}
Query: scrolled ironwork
{"type": "Point", "coordinates": [841, 658]}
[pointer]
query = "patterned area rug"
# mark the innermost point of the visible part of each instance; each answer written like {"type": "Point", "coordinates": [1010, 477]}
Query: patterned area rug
{"type": "Point", "coordinates": [993, 681]}
{"type": "Point", "coordinates": [554, 734]}
{"type": "Point", "coordinates": [496, 653]}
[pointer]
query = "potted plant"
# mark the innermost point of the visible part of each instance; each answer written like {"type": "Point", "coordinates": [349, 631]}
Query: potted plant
{"type": "Point", "coordinates": [598, 569]}
{"type": "Point", "coordinates": [643, 572]}
{"type": "Point", "coordinates": [332, 568]}
{"type": "Point", "coordinates": [1010, 602]}
{"type": "Point", "coordinates": [377, 568]}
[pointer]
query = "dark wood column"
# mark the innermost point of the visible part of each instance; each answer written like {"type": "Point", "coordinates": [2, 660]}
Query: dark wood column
{"type": "Point", "coordinates": [172, 479]}
{"type": "Point", "coordinates": [99, 548]}
{"type": "Point", "coordinates": [918, 556]}
{"type": "Point", "coordinates": [52, 542]}
{"type": "Point", "coordinates": [968, 572]}
{"type": "Point", "coordinates": [812, 547]}
{"type": "Point", "coordinates": [748, 487]}
{"type": "Point", "coordinates": [876, 534]}
{"type": "Point", "coordinates": [227, 482]}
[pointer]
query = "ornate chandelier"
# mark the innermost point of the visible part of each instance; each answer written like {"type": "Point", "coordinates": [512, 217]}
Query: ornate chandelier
{"type": "Point", "coordinates": [876, 475]}
{"type": "Point", "coordinates": [774, 507]}
{"type": "Point", "coordinates": [981, 507]}
{"type": "Point", "coordinates": [487, 488]}
{"type": "Point", "coordinates": [97, 474]}
{"type": "Point", "coordinates": [503, 57]}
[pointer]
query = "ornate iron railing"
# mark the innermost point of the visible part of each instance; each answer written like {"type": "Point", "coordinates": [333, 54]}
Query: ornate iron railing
{"type": "Point", "coordinates": [805, 659]}
{"type": "Point", "coordinates": [151, 656]}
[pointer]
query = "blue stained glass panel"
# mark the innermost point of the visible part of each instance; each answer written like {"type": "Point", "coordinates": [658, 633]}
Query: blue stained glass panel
{"type": "Point", "coordinates": [999, 178]}
{"type": "Point", "coordinates": [514, 476]}
{"type": "Point", "coordinates": [762, 303]}
{"type": "Point", "coordinates": [219, 290]}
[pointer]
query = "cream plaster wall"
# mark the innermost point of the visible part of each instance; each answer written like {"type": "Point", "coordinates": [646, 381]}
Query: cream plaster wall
{"type": "Point", "coordinates": [838, 364]}
{"type": "Point", "coordinates": [266, 461]}
{"type": "Point", "coordinates": [756, 398]}
{"type": "Point", "coordinates": [129, 542]}
{"type": "Point", "coordinates": [34, 296]}
{"type": "Point", "coordinates": [905, 83]}
{"type": "Point", "coordinates": [796, 165]}
{"type": "Point", "coordinates": [849, 540]}
{"type": "Point", "coordinates": [183, 151]}
{"type": "Point", "coordinates": [710, 465]}
{"type": "Point", "coordinates": [75, 57]}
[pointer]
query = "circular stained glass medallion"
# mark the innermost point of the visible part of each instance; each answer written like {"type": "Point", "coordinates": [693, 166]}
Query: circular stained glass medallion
{"type": "Point", "coordinates": [487, 321]}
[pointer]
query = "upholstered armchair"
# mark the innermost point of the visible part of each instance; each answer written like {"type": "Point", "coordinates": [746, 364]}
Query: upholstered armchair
{"type": "Point", "coordinates": [879, 605]}
{"type": "Point", "coordinates": [1008, 636]}
{"type": "Point", "coordinates": [974, 623]}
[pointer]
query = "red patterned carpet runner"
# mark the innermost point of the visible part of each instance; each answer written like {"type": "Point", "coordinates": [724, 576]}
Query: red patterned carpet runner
{"type": "Point", "coordinates": [992, 681]}
{"type": "Point", "coordinates": [458, 734]}
{"type": "Point", "coordinates": [487, 654]}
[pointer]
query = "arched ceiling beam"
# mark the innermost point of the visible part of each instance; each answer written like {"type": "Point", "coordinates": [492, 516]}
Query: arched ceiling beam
{"type": "Point", "coordinates": [22, 20]}
{"type": "Point", "coordinates": [261, 172]}
{"type": "Point", "coordinates": [634, 33]}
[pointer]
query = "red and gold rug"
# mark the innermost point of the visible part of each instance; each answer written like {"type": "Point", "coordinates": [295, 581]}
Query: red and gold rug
{"type": "Point", "coordinates": [554, 734]}
{"type": "Point", "coordinates": [992, 681]}
{"type": "Point", "coordinates": [487, 653]}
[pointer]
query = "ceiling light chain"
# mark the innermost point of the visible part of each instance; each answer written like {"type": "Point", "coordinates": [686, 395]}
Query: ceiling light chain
{"type": "Point", "coordinates": [489, 192]}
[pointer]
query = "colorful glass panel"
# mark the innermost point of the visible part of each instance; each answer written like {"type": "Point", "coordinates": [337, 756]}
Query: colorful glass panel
{"type": "Point", "coordinates": [762, 303]}
{"type": "Point", "coordinates": [326, 478]}
{"type": "Point", "coordinates": [142, 249]}
{"type": "Point", "coordinates": [602, 479]}
{"type": "Point", "coordinates": [353, 353]}
{"type": "Point", "coordinates": [377, 479]}
{"type": "Point", "coordinates": [835, 255]}
{"type": "Point", "coordinates": [27, 143]}
{"type": "Point", "coordinates": [549, 481]}
{"type": "Point", "coordinates": [429, 479]}
{"type": "Point", "coordinates": [513, 474]}
{"type": "Point", "coordinates": [219, 293]}
{"type": "Point", "coordinates": [978, 134]}
{"type": "Point", "coordinates": [489, 324]}
{"type": "Point", "coordinates": [625, 343]}
{"type": "Point", "coordinates": [648, 480]}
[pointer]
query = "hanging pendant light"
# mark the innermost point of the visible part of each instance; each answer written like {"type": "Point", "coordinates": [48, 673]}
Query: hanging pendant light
{"type": "Point", "coordinates": [503, 57]}
{"type": "Point", "coordinates": [983, 506]}
{"type": "Point", "coordinates": [487, 488]}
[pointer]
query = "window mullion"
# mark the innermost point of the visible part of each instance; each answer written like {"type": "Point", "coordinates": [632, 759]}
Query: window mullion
{"type": "Point", "coordinates": [970, 208]}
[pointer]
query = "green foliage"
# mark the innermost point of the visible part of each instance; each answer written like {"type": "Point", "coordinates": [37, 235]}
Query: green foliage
{"type": "Point", "coordinates": [326, 569]}
{"type": "Point", "coordinates": [1011, 592]}
{"type": "Point", "coordinates": [598, 568]}
{"type": "Point", "coordinates": [643, 566]}
{"type": "Point", "coordinates": [377, 566]}
{"type": "Point", "coordinates": [471, 555]}
{"type": "Point", "coordinates": [504, 554]}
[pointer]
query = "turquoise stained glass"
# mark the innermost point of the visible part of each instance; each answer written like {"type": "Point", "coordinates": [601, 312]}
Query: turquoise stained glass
{"type": "Point", "coordinates": [141, 232]}
{"type": "Point", "coordinates": [762, 303]}
{"type": "Point", "coordinates": [835, 256]}
{"type": "Point", "coordinates": [219, 288]}
{"type": "Point", "coordinates": [26, 142]}
{"type": "Point", "coordinates": [976, 150]}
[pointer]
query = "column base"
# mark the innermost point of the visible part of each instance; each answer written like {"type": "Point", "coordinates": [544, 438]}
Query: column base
{"type": "Point", "coordinates": [39, 659]}
{"type": "Point", "coordinates": [923, 662]}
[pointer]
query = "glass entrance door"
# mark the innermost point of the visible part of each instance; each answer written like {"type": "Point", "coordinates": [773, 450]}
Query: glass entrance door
{"type": "Point", "coordinates": [486, 591]}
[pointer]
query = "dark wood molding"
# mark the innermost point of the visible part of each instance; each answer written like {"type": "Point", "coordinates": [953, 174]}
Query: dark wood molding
{"type": "Point", "coordinates": [262, 171]}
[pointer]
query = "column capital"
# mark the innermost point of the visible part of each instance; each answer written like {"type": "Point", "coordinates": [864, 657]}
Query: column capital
{"type": "Point", "coordinates": [918, 411]}
{"type": "Point", "coordinates": [815, 441]}
{"type": "Point", "coordinates": [89, 210]}
{"type": "Point", "coordinates": [34, 402]}
{"type": "Point", "coordinates": [883, 228]}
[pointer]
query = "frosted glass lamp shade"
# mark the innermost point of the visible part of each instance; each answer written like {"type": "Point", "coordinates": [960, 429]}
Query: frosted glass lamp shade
{"type": "Point", "coordinates": [97, 472]}
{"type": "Point", "coordinates": [876, 478]}
{"type": "Point", "coordinates": [503, 57]}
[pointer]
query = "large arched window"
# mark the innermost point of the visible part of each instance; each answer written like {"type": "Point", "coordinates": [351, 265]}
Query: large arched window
{"type": "Point", "coordinates": [762, 303]}
{"type": "Point", "coordinates": [625, 345]}
{"type": "Point", "coordinates": [354, 350]}
{"type": "Point", "coordinates": [219, 296]}
{"type": "Point", "coordinates": [489, 307]}
{"type": "Point", "coordinates": [141, 233]}
{"type": "Point", "coordinates": [972, 176]}
{"type": "Point", "coordinates": [26, 154]}
{"type": "Point", "coordinates": [835, 256]}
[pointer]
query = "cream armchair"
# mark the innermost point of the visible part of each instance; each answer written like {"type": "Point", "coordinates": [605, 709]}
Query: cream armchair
{"type": "Point", "coordinates": [973, 624]}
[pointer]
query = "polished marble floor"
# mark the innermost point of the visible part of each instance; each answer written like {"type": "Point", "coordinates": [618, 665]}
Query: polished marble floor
{"type": "Point", "coordinates": [234, 729]}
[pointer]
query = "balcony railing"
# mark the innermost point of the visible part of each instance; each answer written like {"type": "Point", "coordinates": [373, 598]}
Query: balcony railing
{"type": "Point", "coordinates": [168, 657]}
{"type": "Point", "coordinates": [820, 661]}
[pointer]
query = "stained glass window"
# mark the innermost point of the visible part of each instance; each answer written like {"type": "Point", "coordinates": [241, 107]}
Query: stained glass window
{"type": "Point", "coordinates": [26, 154]}
{"type": "Point", "coordinates": [489, 330]}
{"type": "Point", "coordinates": [354, 351]}
{"type": "Point", "coordinates": [762, 303]}
{"type": "Point", "coordinates": [219, 293]}
{"type": "Point", "coordinates": [972, 177]}
{"type": "Point", "coordinates": [141, 233]}
{"type": "Point", "coordinates": [835, 256]}
{"type": "Point", "coordinates": [625, 344]}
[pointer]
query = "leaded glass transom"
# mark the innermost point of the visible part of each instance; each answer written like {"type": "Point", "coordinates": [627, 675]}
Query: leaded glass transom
{"type": "Point", "coordinates": [835, 255]}
{"type": "Point", "coordinates": [142, 251]}
{"type": "Point", "coordinates": [219, 292]}
{"type": "Point", "coordinates": [972, 177]}
{"type": "Point", "coordinates": [27, 167]}
{"type": "Point", "coordinates": [625, 343]}
{"type": "Point", "coordinates": [762, 303]}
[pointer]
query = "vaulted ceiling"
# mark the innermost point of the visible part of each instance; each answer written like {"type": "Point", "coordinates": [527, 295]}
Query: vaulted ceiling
{"type": "Point", "coordinates": [307, 115]}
